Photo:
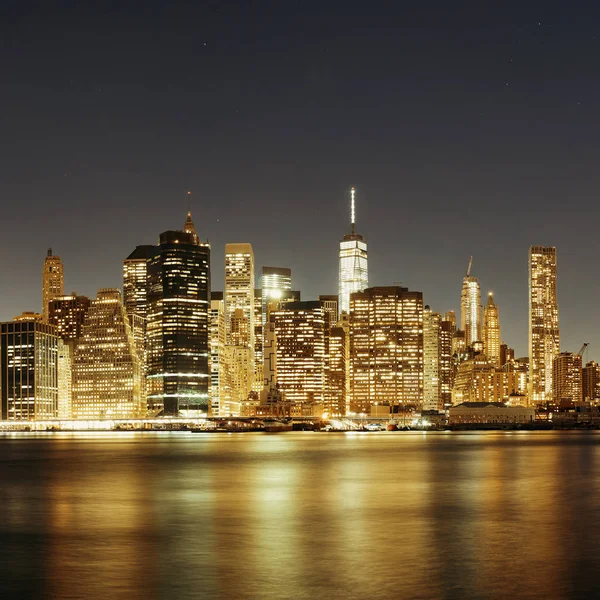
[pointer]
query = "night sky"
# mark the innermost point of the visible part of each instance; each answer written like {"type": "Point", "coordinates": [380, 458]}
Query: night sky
{"type": "Point", "coordinates": [465, 129]}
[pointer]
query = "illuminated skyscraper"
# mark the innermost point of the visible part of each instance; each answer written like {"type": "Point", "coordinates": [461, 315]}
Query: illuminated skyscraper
{"type": "Point", "coordinates": [337, 372]}
{"type": "Point", "coordinates": [432, 350]}
{"type": "Point", "coordinates": [470, 307]}
{"type": "Point", "coordinates": [567, 378]}
{"type": "Point", "coordinates": [274, 280]}
{"type": "Point", "coordinates": [330, 304]}
{"type": "Point", "coordinates": [177, 329]}
{"type": "Point", "coordinates": [53, 281]}
{"type": "Point", "coordinates": [300, 330]}
{"type": "Point", "coordinates": [353, 276]}
{"type": "Point", "coordinates": [106, 369]}
{"type": "Point", "coordinates": [135, 285]}
{"type": "Point", "coordinates": [386, 348]}
{"type": "Point", "coordinates": [29, 369]}
{"type": "Point", "coordinates": [544, 333]}
{"type": "Point", "coordinates": [491, 332]}
{"type": "Point", "coordinates": [239, 290]}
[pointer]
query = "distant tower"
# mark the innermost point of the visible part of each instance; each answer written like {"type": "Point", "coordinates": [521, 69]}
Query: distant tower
{"type": "Point", "coordinates": [53, 281]}
{"type": "Point", "coordinates": [353, 275]}
{"type": "Point", "coordinates": [470, 307]}
{"type": "Point", "coordinates": [544, 333]}
{"type": "Point", "coordinates": [432, 360]}
{"type": "Point", "coordinates": [491, 332]}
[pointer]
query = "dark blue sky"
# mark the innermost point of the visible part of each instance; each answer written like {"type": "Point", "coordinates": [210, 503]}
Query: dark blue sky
{"type": "Point", "coordinates": [467, 129]}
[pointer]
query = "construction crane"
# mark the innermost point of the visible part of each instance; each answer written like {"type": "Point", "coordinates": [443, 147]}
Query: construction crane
{"type": "Point", "coordinates": [583, 349]}
{"type": "Point", "coordinates": [469, 267]}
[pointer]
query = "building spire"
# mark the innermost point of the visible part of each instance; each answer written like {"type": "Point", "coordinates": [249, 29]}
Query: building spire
{"type": "Point", "coordinates": [352, 209]}
{"type": "Point", "coordinates": [189, 224]}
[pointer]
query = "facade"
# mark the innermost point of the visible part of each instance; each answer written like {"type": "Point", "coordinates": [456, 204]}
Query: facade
{"type": "Point", "coordinates": [353, 271]}
{"type": "Point", "coordinates": [544, 333]}
{"type": "Point", "coordinates": [567, 378]}
{"type": "Point", "coordinates": [177, 338]}
{"type": "Point", "coordinates": [506, 354]}
{"type": "Point", "coordinates": [470, 308]}
{"type": "Point", "coordinates": [106, 369]}
{"type": "Point", "coordinates": [491, 332]}
{"type": "Point", "coordinates": [65, 379]}
{"type": "Point", "coordinates": [274, 280]}
{"type": "Point", "coordinates": [29, 364]}
{"type": "Point", "coordinates": [447, 330]}
{"type": "Point", "coordinates": [432, 350]}
{"type": "Point", "coordinates": [301, 350]}
{"type": "Point", "coordinates": [477, 380]}
{"type": "Point", "coordinates": [336, 393]}
{"type": "Point", "coordinates": [67, 314]}
{"type": "Point", "coordinates": [386, 348]}
{"type": "Point", "coordinates": [53, 281]}
{"type": "Point", "coordinates": [330, 304]}
{"type": "Point", "coordinates": [239, 290]}
{"type": "Point", "coordinates": [591, 381]}
{"type": "Point", "coordinates": [217, 351]}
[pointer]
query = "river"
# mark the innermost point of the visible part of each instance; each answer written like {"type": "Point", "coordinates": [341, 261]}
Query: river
{"type": "Point", "coordinates": [300, 515]}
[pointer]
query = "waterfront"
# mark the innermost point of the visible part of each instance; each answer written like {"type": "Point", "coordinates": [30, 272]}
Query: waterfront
{"type": "Point", "coordinates": [300, 515]}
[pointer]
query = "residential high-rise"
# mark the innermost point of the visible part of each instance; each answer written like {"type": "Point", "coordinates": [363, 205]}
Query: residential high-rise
{"type": "Point", "coordinates": [301, 334]}
{"type": "Point", "coordinates": [53, 281]}
{"type": "Point", "coordinates": [177, 329]}
{"type": "Point", "coordinates": [491, 332]}
{"type": "Point", "coordinates": [591, 381]}
{"type": "Point", "coordinates": [470, 307]}
{"type": "Point", "coordinates": [544, 333]}
{"type": "Point", "coordinates": [239, 290]}
{"type": "Point", "coordinates": [257, 384]}
{"type": "Point", "coordinates": [432, 354]}
{"type": "Point", "coordinates": [29, 369]}
{"type": "Point", "coordinates": [386, 348]}
{"type": "Point", "coordinates": [567, 378]}
{"type": "Point", "coordinates": [353, 275]}
{"type": "Point", "coordinates": [67, 313]}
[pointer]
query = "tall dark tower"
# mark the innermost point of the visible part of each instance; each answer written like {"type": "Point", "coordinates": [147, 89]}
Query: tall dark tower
{"type": "Point", "coordinates": [178, 379]}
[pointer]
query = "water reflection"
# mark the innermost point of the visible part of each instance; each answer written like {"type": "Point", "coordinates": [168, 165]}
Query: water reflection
{"type": "Point", "coordinates": [295, 515]}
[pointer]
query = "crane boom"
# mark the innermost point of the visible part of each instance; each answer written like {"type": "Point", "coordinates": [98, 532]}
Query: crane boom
{"type": "Point", "coordinates": [585, 345]}
{"type": "Point", "coordinates": [469, 267]}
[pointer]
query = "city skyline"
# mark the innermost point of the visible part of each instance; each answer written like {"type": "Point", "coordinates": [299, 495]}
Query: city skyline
{"type": "Point", "coordinates": [480, 157]}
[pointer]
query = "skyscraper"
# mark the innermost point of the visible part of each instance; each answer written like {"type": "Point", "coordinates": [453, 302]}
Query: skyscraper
{"type": "Point", "coordinates": [29, 369]}
{"type": "Point", "coordinates": [135, 300]}
{"type": "Point", "coordinates": [106, 369]}
{"type": "Point", "coordinates": [177, 339]}
{"type": "Point", "coordinates": [432, 351]}
{"type": "Point", "coordinates": [470, 307]}
{"type": "Point", "coordinates": [491, 331]}
{"type": "Point", "coordinates": [386, 348]}
{"type": "Point", "coordinates": [447, 330]}
{"type": "Point", "coordinates": [53, 281]}
{"type": "Point", "coordinates": [353, 275]}
{"type": "Point", "coordinates": [544, 334]}
{"type": "Point", "coordinates": [567, 378]}
{"type": "Point", "coordinates": [591, 381]}
{"type": "Point", "coordinates": [217, 351]}
{"type": "Point", "coordinates": [301, 332]}
{"type": "Point", "coordinates": [239, 289]}
{"type": "Point", "coordinates": [274, 280]}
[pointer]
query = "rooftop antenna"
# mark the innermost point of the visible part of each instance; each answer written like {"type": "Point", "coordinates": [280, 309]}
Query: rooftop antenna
{"type": "Point", "coordinates": [352, 210]}
{"type": "Point", "coordinates": [189, 196]}
{"type": "Point", "coordinates": [469, 267]}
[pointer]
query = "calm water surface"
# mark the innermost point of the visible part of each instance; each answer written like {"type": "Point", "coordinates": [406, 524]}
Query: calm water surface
{"type": "Point", "coordinates": [300, 515]}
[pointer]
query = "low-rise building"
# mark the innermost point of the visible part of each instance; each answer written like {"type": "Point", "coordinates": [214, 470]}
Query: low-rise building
{"type": "Point", "coordinates": [490, 413]}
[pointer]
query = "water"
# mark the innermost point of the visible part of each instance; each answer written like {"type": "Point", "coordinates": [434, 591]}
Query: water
{"type": "Point", "coordinates": [300, 515]}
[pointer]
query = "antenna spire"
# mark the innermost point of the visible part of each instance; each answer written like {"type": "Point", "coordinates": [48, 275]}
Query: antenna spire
{"type": "Point", "coordinates": [352, 209]}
